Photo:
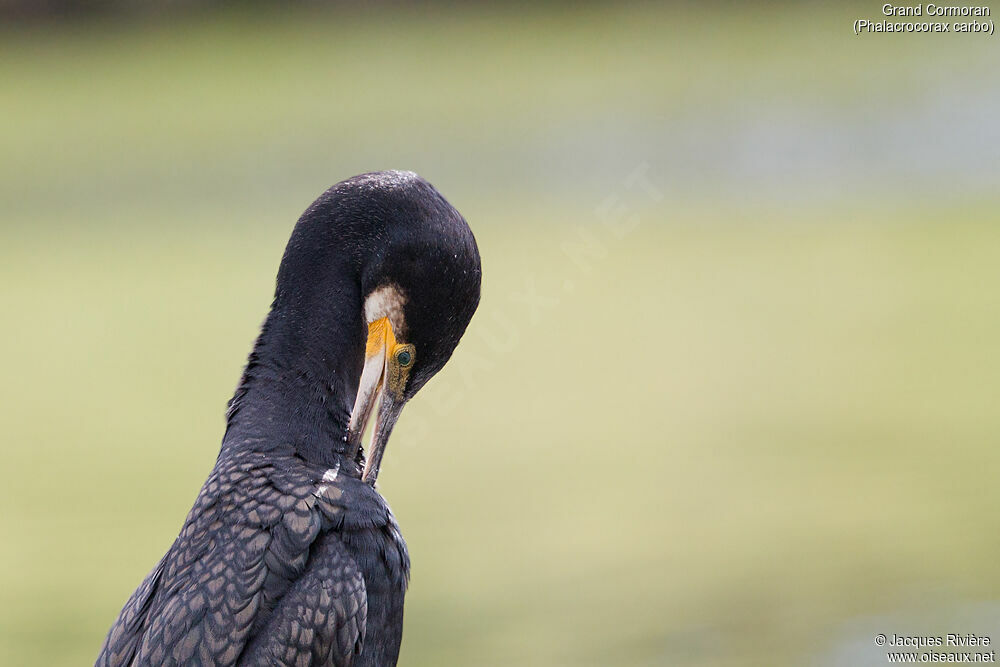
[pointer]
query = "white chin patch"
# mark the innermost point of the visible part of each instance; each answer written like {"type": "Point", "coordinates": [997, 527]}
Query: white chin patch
{"type": "Point", "coordinates": [386, 301]}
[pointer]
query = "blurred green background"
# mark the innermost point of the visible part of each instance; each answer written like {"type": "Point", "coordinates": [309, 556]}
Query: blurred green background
{"type": "Point", "coordinates": [731, 394]}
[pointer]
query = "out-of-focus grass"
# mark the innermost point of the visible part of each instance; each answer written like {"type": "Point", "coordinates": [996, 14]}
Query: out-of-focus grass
{"type": "Point", "coordinates": [707, 440]}
{"type": "Point", "coordinates": [719, 443]}
{"type": "Point", "coordinates": [262, 108]}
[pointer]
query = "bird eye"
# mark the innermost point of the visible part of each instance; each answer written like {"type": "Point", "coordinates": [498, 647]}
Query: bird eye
{"type": "Point", "coordinates": [404, 358]}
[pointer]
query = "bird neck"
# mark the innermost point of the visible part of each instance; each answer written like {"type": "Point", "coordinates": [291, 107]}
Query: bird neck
{"type": "Point", "coordinates": [300, 382]}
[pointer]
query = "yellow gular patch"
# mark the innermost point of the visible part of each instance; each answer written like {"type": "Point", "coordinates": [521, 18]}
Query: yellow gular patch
{"type": "Point", "coordinates": [380, 337]}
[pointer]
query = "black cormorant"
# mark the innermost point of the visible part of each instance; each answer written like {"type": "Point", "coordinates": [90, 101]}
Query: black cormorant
{"type": "Point", "coordinates": [289, 555]}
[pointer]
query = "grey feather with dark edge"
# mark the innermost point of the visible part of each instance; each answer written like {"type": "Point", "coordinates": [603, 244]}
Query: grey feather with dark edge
{"type": "Point", "coordinates": [262, 550]}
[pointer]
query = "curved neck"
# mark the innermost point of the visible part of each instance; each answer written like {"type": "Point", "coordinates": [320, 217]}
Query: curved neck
{"type": "Point", "coordinates": [301, 379]}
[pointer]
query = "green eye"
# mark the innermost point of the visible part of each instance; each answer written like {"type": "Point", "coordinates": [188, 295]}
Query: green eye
{"type": "Point", "coordinates": [404, 358]}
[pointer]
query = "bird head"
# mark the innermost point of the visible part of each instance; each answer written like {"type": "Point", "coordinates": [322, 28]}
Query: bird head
{"type": "Point", "coordinates": [420, 284]}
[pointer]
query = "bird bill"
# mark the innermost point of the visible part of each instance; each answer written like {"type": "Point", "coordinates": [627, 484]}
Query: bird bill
{"type": "Point", "coordinates": [372, 391]}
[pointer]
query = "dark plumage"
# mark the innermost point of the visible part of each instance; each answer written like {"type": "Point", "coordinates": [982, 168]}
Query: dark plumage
{"type": "Point", "coordinates": [289, 555]}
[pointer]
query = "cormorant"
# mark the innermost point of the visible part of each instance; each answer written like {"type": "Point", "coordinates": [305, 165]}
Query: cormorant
{"type": "Point", "coordinates": [289, 555]}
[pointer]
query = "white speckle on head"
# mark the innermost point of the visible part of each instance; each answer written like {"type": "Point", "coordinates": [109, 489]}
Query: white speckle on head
{"type": "Point", "coordinates": [386, 301]}
{"type": "Point", "coordinates": [384, 180]}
